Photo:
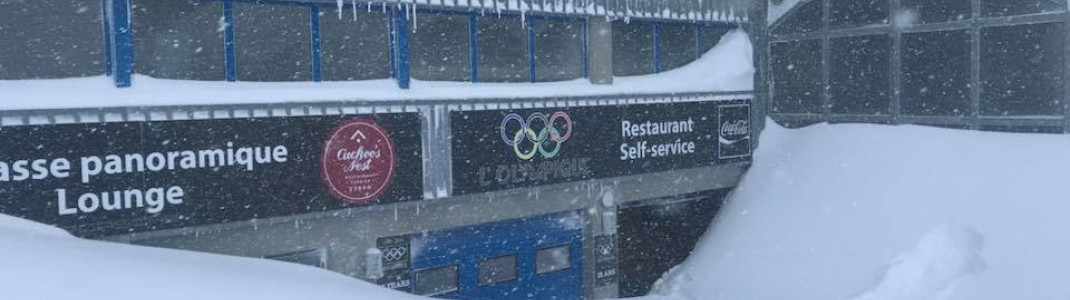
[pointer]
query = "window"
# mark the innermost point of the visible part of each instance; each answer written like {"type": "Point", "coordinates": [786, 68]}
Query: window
{"type": "Point", "coordinates": [553, 259]}
{"type": "Point", "coordinates": [50, 39]}
{"type": "Point", "coordinates": [933, 11]}
{"type": "Point", "coordinates": [497, 270]}
{"type": "Point", "coordinates": [805, 18]}
{"type": "Point", "coordinates": [859, 79]}
{"type": "Point", "coordinates": [178, 39]}
{"type": "Point", "coordinates": [437, 281]}
{"type": "Point", "coordinates": [709, 36]}
{"type": "Point", "coordinates": [797, 79]}
{"type": "Point", "coordinates": [936, 73]}
{"type": "Point", "coordinates": [354, 47]}
{"type": "Point", "coordinates": [558, 50]}
{"type": "Point", "coordinates": [994, 8]}
{"type": "Point", "coordinates": [851, 13]}
{"type": "Point", "coordinates": [1022, 69]}
{"type": "Point", "coordinates": [633, 48]}
{"type": "Point", "coordinates": [677, 45]}
{"type": "Point", "coordinates": [439, 48]}
{"type": "Point", "coordinates": [272, 42]}
{"type": "Point", "coordinates": [503, 50]}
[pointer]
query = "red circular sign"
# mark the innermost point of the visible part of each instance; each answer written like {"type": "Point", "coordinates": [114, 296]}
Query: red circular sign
{"type": "Point", "coordinates": [358, 161]}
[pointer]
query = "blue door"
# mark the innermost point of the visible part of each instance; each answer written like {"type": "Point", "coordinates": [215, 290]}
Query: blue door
{"type": "Point", "coordinates": [531, 258]}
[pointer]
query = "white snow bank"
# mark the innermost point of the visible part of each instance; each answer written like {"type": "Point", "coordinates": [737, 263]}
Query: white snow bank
{"type": "Point", "coordinates": [859, 212]}
{"type": "Point", "coordinates": [726, 67]}
{"type": "Point", "coordinates": [54, 266]}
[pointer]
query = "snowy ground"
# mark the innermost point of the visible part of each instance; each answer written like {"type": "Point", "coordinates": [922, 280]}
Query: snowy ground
{"type": "Point", "coordinates": [726, 67]}
{"type": "Point", "coordinates": [43, 262]}
{"type": "Point", "coordinates": [870, 212]}
{"type": "Point", "coordinates": [829, 212]}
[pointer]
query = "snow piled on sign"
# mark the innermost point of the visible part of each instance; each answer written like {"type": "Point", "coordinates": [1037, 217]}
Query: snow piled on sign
{"type": "Point", "coordinates": [871, 212]}
{"type": "Point", "coordinates": [43, 262]}
{"type": "Point", "coordinates": [726, 67]}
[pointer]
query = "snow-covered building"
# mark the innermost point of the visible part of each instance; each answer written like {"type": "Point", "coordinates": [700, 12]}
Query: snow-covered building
{"type": "Point", "coordinates": [451, 148]}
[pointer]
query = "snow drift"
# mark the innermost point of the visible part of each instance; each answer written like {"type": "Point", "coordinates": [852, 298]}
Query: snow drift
{"type": "Point", "coordinates": [871, 212]}
{"type": "Point", "coordinates": [43, 262]}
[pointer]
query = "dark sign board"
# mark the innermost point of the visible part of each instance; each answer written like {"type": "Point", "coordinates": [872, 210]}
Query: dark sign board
{"type": "Point", "coordinates": [110, 178]}
{"type": "Point", "coordinates": [505, 149]}
{"type": "Point", "coordinates": [606, 266]}
{"type": "Point", "coordinates": [397, 262]}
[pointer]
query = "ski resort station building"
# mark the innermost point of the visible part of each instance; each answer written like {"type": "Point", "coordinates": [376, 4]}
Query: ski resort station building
{"type": "Point", "coordinates": [460, 149]}
{"type": "Point", "coordinates": [473, 148]}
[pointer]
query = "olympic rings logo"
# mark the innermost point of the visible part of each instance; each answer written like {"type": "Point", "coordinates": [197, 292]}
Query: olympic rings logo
{"type": "Point", "coordinates": [395, 253]}
{"type": "Point", "coordinates": [539, 130]}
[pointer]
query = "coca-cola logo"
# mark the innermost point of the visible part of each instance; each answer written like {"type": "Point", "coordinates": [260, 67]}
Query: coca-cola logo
{"type": "Point", "coordinates": [737, 128]}
{"type": "Point", "coordinates": [358, 161]}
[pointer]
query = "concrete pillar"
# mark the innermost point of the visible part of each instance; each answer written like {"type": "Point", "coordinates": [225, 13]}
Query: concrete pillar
{"type": "Point", "coordinates": [600, 50]}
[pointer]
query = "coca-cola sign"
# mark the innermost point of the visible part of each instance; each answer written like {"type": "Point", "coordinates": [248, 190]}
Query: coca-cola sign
{"type": "Point", "coordinates": [359, 161]}
{"type": "Point", "coordinates": [734, 138]}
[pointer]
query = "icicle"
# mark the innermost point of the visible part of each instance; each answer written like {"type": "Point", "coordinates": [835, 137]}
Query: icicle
{"type": "Point", "coordinates": [369, 6]}
{"type": "Point", "coordinates": [415, 26]}
{"type": "Point", "coordinates": [354, 3]}
{"type": "Point", "coordinates": [341, 7]}
{"type": "Point", "coordinates": [395, 213]}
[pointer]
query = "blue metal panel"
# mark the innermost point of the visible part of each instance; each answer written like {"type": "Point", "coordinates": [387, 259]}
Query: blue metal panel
{"type": "Point", "coordinates": [657, 48]}
{"type": "Point", "coordinates": [314, 20]}
{"type": "Point", "coordinates": [531, 49]}
{"type": "Point", "coordinates": [392, 34]}
{"type": "Point", "coordinates": [229, 53]}
{"type": "Point", "coordinates": [586, 48]}
{"type": "Point", "coordinates": [698, 42]}
{"type": "Point", "coordinates": [466, 247]}
{"type": "Point", "coordinates": [122, 43]}
{"type": "Point", "coordinates": [401, 25]}
{"type": "Point", "coordinates": [473, 46]}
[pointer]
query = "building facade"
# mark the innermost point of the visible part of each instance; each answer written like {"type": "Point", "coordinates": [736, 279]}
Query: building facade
{"type": "Point", "coordinates": [460, 196]}
{"type": "Point", "coordinates": [994, 65]}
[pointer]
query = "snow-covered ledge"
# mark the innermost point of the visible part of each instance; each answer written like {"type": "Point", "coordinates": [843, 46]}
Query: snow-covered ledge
{"type": "Point", "coordinates": [726, 67]}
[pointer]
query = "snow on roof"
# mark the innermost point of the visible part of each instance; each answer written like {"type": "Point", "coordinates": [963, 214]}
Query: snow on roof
{"type": "Point", "coordinates": [698, 10]}
{"type": "Point", "coordinates": [726, 67]}
{"type": "Point", "coordinates": [43, 262]}
{"type": "Point", "coordinates": [873, 212]}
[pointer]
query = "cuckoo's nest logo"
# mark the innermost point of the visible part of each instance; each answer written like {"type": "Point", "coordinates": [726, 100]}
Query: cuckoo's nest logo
{"type": "Point", "coordinates": [536, 135]}
{"type": "Point", "coordinates": [358, 161]}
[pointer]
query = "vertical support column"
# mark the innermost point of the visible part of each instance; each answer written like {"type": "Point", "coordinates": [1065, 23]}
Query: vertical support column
{"type": "Point", "coordinates": [122, 46]}
{"type": "Point", "coordinates": [826, 43]}
{"type": "Point", "coordinates": [314, 42]}
{"type": "Point", "coordinates": [698, 36]}
{"type": "Point", "coordinates": [975, 67]}
{"type": "Point", "coordinates": [106, 28]}
{"type": "Point", "coordinates": [657, 47]}
{"type": "Point", "coordinates": [532, 64]}
{"type": "Point", "coordinates": [473, 45]}
{"type": "Point", "coordinates": [229, 54]}
{"type": "Point", "coordinates": [897, 64]}
{"type": "Point", "coordinates": [401, 45]}
{"type": "Point", "coordinates": [586, 49]}
{"type": "Point", "coordinates": [600, 50]}
{"type": "Point", "coordinates": [1066, 73]}
{"type": "Point", "coordinates": [763, 100]}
